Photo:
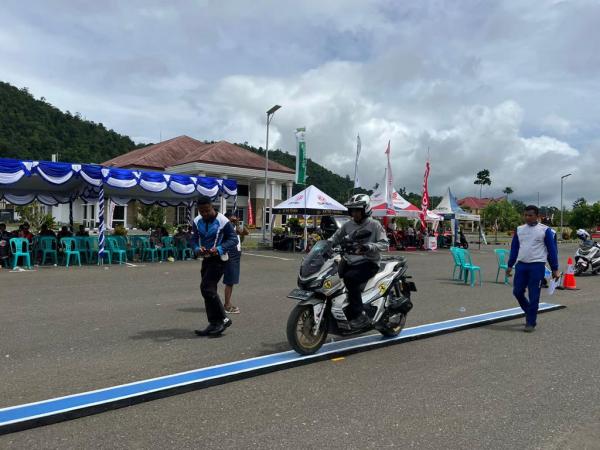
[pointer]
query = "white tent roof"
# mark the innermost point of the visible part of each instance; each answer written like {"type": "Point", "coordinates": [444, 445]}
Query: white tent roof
{"type": "Point", "coordinates": [311, 201]}
{"type": "Point", "coordinates": [449, 208]}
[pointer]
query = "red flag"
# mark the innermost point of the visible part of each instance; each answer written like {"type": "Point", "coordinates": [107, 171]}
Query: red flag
{"type": "Point", "coordinates": [250, 212]}
{"type": "Point", "coordinates": [425, 198]}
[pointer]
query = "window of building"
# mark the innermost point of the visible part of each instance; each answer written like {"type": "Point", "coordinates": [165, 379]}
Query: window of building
{"type": "Point", "coordinates": [89, 215]}
{"type": "Point", "coordinates": [181, 215]}
{"type": "Point", "coordinates": [119, 215]}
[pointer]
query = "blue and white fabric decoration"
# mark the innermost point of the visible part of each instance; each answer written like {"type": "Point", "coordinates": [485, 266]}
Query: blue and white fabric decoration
{"type": "Point", "coordinates": [52, 183]}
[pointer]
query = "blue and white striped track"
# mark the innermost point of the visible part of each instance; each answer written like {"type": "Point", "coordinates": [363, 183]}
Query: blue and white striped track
{"type": "Point", "coordinates": [20, 417]}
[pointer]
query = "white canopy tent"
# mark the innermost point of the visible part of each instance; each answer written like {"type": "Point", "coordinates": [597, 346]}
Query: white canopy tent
{"type": "Point", "coordinates": [309, 202]}
{"type": "Point", "coordinates": [448, 208]}
{"type": "Point", "coordinates": [400, 206]}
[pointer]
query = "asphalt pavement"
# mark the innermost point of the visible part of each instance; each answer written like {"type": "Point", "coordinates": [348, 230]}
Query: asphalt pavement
{"type": "Point", "coordinates": [64, 331]}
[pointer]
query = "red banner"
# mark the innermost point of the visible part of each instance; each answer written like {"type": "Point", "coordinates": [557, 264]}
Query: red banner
{"type": "Point", "coordinates": [250, 213]}
{"type": "Point", "coordinates": [425, 198]}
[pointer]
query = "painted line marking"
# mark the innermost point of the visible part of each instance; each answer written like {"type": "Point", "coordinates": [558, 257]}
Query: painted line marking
{"type": "Point", "coordinates": [21, 417]}
{"type": "Point", "coordinates": [268, 256]}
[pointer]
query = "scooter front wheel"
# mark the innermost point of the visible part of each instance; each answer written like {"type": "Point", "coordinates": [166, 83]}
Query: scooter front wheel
{"type": "Point", "coordinates": [300, 330]}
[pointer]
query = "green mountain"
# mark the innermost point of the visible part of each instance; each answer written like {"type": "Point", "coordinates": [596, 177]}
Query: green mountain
{"type": "Point", "coordinates": [340, 188]}
{"type": "Point", "coordinates": [34, 129]}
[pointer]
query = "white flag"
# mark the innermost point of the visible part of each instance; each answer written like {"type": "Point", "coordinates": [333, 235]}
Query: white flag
{"type": "Point", "coordinates": [389, 193]}
{"type": "Point", "coordinates": [358, 144]}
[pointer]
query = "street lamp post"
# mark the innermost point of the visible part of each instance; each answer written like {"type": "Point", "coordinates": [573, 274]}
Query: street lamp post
{"type": "Point", "coordinates": [562, 179]}
{"type": "Point", "coordinates": [270, 114]}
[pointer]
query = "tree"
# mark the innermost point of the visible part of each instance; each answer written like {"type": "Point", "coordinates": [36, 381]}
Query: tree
{"type": "Point", "coordinates": [518, 205]}
{"type": "Point", "coordinates": [151, 217]}
{"type": "Point", "coordinates": [35, 216]}
{"type": "Point", "coordinates": [483, 178]}
{"type": "Point", "coordinates": [584, 215]}
{"type": "Point", "coordinates": [504, 214]}
{"type": "Point", "coordinates": [579, 203]}
{"type": "Point", "coordinates": [507, 190]}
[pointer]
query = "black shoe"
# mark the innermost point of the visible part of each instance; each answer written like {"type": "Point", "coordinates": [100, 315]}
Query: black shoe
{"type": "Point", "coordinates": [205, 332]}
{"type": "Point", "coordinates": [214, 329]}
{"type": "Point", "coordinates": [220, 327]}
{"type": "Point", "coordinates": [360, 322]}
{"type": "Point", "coordinates": [529, 329]}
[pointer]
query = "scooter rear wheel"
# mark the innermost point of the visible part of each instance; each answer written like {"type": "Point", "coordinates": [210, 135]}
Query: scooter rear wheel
{"type": "Point", "coordinates": [300, 330]}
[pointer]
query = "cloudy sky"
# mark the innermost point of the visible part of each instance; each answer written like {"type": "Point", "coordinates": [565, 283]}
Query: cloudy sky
{"type": "Point", "coordinates": [509, 86]}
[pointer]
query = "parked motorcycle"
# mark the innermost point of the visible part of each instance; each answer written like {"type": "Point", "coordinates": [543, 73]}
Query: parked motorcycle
{"type": "Point", "coordinates": [587, 256]}
{"type": "Point", "coordinates": [322, 297]}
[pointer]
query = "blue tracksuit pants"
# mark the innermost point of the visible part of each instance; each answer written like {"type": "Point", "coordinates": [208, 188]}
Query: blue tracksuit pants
{"type": "Point", "coordinates": [529, 276]}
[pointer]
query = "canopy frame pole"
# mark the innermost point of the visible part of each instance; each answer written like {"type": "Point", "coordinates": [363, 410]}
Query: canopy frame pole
{"type": "Point", "coordinates": [71, 215]}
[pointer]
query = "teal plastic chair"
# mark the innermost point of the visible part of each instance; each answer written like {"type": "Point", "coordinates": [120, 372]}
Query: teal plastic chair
{"type": "Point", "coordinates": [81, 244]}
{"type": "Point", "coordinates": [47, 246]}
{"type": "Point", "coordinates": [148, 250]}
{"type": "Point", "coordinates": [115, 250]}
{"type": "Point", "coordinates": [92, 248]}
{"type": "Point", "coordinates": [135, 247]}
{"type": "Point", "coordinates": [19, 248]}
{"type": "Point", "coordinates": [457, 264]}
{"type": "Point", "coordinates": [468, 267]}
{"type": "Point", "coordinates": [167, 248]}
{"type": "Point", "coordinates": [502, 258]}
{"type": "Point", "coordinates": [70, 250]}
{"type": "Point", "coordinates": [184, 250]}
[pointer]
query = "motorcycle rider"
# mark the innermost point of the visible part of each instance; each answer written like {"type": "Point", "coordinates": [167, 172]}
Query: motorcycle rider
{"type": "Point", "coordinates": [584, 236]}
{"type": "Point", "coordinates": [358, 268]}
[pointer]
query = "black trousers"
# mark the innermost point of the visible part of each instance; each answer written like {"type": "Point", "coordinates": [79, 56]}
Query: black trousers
{"type": "Point", "coordinates": [354, 276]}
{"type": "Point", "coordinates": [212, 271]}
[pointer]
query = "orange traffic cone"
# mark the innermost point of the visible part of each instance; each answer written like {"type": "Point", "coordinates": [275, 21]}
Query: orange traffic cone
{"type": "Point", "coordinates": [569, 277]}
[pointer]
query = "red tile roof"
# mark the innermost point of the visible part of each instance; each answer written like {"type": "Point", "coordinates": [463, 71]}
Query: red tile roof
{"type": "Point", "coordinates": [184, 149]}
{"type": "Point", "coordinates": [227, 154]}
{"type": "Point", "coordinates": [477, 203]}
{"type": "Point", "coordinates": [157, 156]}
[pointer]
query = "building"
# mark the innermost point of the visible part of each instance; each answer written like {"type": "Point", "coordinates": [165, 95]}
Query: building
{"type": "Point", "coordinates": [476, 205]}
{"type": "Point", "coordinates": [190, 156]}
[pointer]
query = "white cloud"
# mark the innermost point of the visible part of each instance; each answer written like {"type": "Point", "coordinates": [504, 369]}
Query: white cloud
{"type": "Point", "coordinates": [506, 86]}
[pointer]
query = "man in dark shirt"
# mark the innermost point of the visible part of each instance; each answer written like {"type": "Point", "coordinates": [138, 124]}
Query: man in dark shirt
{"type": "Point", "coordinates": [214, 237]}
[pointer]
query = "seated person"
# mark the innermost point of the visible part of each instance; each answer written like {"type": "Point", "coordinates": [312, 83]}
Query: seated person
{"type": "Point", "coordinates": [24, 232]}
{"type": "Point", "coordinates": [180, 239]}
{"type": "Point", "coordinates": [45, 231]}
{"type": "Point", "coordinates": [64, 232]}
{"type": "Point", "coordinates": [82, 232]}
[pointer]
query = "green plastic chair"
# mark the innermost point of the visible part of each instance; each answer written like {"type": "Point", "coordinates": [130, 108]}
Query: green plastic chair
{"type": "Point", "coordinates": [167, 248]}
{"type": "Point", "coordinates": [502, 258]}
{"type": "Point", "coordinates": [184, 250]}
{"type": "Point", "coordinates": [135, 247]}
{"type": "Point", "coordinates": [70, 250]}
{"type": "Point", "coordinates": [115, 250]}
{"type": "Point", "coordinates": [457, 264]}
{"type": "Point", "coordinates": [47, 246]}
{"type": "Point", "coordinates": [19, 247]}
{"type": "Point", "coordinates": [148, 250]}
{"type": "Point", "coordinates": [468, 267]}
{"type": "Point", "coordinates": [81, 244]}
{"type": "Point", "coordinates": [92, 248]}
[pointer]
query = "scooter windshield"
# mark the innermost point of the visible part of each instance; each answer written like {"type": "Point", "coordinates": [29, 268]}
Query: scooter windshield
{"type": "Point", "coordinates": [313, 262]}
